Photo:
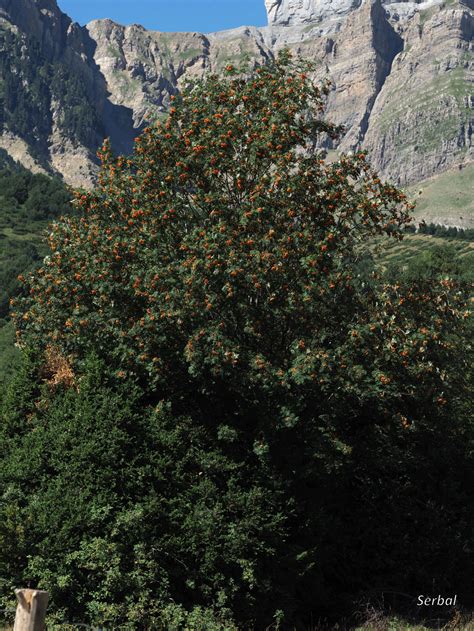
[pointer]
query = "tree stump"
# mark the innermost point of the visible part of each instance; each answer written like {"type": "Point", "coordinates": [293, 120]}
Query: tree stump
{"type": "Point", "coordinates": [31, 610]}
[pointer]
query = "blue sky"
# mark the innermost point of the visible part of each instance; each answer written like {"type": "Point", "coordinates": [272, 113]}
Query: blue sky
{"type": "Point", "coordinates": [170, 15]}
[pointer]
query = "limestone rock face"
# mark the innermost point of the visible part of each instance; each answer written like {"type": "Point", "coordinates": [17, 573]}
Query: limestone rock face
{"type": "Point", "coordinates": [423, 118]}
{"type": "Point", "coordinates": [144, 68]}
{"type": "Point", "coordinates": [358, 78]}
{"type": "Point", "coordinates": [297, 12]}
{"type": "Point", "coordinates": [41, 19]}
{"type": "Point", "coordinates": [291, 12]}
{"type": "Point", "coordinates": [56, 110]}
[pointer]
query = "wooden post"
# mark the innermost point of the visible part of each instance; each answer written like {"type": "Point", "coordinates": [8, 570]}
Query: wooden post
{"type": "Point", "coordinates": [31, 610]}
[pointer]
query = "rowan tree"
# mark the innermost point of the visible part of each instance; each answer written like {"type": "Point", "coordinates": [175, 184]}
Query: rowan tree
{"type": "Point", "coordinates": [221, 246]}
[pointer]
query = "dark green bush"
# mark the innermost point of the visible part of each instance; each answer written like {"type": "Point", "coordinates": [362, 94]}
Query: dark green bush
{"type": "Point", "coordinates": [119, 509]}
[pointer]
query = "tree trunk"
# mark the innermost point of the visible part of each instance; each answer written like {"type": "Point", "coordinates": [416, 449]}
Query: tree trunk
{"type": "Point", "coordinates": [31, 610]}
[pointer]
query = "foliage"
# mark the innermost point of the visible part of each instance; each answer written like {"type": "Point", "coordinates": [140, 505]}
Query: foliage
{"type": "Point", "coordinates": [447, 232]}
{"type": "Point", "coordinates": [122, 544]}
{"type": "Point", "coordinates": [27, 203]}
{"type": "Point", "coordinates": [424, 255]}
{"type": "Point", "coordinates": [219, 207]}
{"type": "Point", "coordinates": [437, 262]}
{"type": "Point", "coordinates": [9, 354]}
{"type": "Point", "coordinates": [278, 421]}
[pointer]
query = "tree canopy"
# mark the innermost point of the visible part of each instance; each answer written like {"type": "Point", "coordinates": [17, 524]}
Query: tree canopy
{"type": "Point", "coordinates": [225, 218]}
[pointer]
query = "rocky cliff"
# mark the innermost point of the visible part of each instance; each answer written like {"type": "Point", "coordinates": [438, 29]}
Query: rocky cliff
{"type": "Point", "coordinates": [143, 68]}
{"type": "Point", "coordinates": [294, 12]}
{"type": "Point", "coordinates": [423, 118]}
{"type": "Point", "coordinates": [55, 107]}
{"type": "Point", "coordinates": [402, 73]}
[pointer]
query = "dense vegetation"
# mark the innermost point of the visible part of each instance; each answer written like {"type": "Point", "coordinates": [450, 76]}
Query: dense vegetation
{"type": "Point", "coordinates": [226, 416]}
{"type": "Point", "coordinates": [27, 204]}
{"type": "Point", "coordinates": [32, 86]}
{"type": "Point", "coordinates": [445, 232]}
{"type": "Point", "coordinates": [418, 256]}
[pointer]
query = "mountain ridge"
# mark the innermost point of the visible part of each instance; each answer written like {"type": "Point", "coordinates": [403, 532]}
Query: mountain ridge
{"type": "Point", "coordinates": [402, 75]}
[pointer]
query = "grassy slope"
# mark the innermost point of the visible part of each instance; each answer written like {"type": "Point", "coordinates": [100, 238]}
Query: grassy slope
{"type": "Point", "coordinates": [413, 244]}
{"type": "Point", "coordinates": [447, 198]}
